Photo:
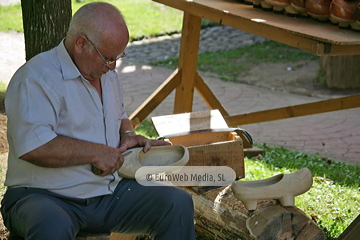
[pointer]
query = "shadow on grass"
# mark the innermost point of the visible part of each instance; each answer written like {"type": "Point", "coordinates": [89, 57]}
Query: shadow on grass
{"type": "Point", "coordinates": [338, 172]}
{"type": "Point", "coordinates": [2, 99]}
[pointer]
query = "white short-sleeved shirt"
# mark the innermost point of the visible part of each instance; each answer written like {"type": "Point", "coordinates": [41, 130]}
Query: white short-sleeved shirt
{"type": "Point", "coordinates": [48, 97]}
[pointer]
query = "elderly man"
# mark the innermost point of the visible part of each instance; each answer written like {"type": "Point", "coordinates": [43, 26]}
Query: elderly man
{"type": "Point", "coordinates": [66, 115]}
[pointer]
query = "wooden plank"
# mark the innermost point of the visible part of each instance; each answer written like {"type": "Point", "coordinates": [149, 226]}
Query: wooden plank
{"type": "Point", "coordinates": [186, 122]}
{"type": "Point", "coordinates": [189, 47]}
{"type": "Point", "coordinates": [155, 98]}
{"type": "Point", "coordinates": [206, 138]}
{"type": "Point", "coordinates": [295, 111]}
{"type": "Point", "coordinates": [118, 236]}
{"type": "Point", "coordinates": [208, 96]}
{"type": "Point", "coordinates": [302, 33]}
{"type": "Point", "coordinates": [253, 152]}
{"type": "Point", "coordinates": [353, 231]}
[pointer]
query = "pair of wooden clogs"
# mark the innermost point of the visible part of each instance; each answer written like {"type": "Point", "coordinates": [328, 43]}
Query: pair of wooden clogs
{"type": "Point", "coordinates": [344, 13]}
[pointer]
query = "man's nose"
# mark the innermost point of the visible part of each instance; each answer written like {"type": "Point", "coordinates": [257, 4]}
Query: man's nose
{"type": "Point", "coordinates": [111, 66]}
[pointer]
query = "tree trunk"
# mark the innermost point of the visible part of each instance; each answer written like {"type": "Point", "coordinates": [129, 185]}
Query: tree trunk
{"type": "Point", "coordinates": [219, 215]}
{"type": "Point", "coordinates": [341, 72]}
{"type": "Point", "coordinates": [45, 24]}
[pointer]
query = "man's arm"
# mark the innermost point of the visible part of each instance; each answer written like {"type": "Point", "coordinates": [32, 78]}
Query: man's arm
{"type": "Point", "coordinates": [62, 152]}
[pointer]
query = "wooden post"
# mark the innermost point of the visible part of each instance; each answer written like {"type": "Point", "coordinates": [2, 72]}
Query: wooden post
{"type": "Point", "coordinates": [341, 72]}
{"type": "Point", "coordinates": [189, 47]}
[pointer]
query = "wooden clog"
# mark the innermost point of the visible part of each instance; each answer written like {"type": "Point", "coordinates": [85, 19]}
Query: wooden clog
{"type": "Point", "coordinates": [168, 155]}
{"type": "Point", "coordinates": [342, 12]}
{"type": "Point", "coordinates": [283, 187]}
{"type": "Point", "coordinates": [262, 4]}
{"type": "Point", "coordinates": [299, 6]}
{"type": "Point", "coordinates": [279, 6]}
{"type": "Point", "coordinates": [318, 9]}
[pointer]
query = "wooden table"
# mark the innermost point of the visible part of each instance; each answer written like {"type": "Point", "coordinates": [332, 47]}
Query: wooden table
{"type": "Point", "coordinates": [318, 38]}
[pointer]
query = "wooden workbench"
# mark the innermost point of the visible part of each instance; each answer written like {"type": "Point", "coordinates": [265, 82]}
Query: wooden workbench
{"type": "Point", "coordinates": [321, 39]}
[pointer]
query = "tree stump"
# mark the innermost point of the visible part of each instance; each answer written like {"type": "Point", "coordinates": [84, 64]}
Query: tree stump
{"type": "Point", "coordinates": [219, 215]}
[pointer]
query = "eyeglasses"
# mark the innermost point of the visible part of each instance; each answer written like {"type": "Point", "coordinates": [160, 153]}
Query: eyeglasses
{"type": "Point", "coordinates": [106, 63]}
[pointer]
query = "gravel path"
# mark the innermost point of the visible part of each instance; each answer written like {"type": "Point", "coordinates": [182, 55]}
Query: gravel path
{"type": "Point", "coordinates": [12, 49]}
{"type": "Point", "coordinates": [8, 2]}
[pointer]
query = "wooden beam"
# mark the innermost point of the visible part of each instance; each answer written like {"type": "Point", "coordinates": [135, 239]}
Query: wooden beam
{"type": "Point", "coordinates": [295, 111]}
{"type": "Point", "coordinates": [208, 96]}
{"type": "Point", "coordinates": [189, 47]}
{"type": "Point", "coordinates": [307, 34]}
{"type": "Point", "coordinates": [155, 98]}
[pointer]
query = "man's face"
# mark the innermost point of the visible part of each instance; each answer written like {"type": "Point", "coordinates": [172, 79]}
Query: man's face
{"type": "Point", "coordinates": [93, 59]}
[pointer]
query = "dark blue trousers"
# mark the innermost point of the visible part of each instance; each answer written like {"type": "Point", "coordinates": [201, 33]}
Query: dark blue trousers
{"type": "Point", "coordinates": [160, 212]}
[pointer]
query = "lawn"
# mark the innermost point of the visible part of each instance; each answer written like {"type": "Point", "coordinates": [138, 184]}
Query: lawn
{"type": "Point", "coordinates": [144, 17]}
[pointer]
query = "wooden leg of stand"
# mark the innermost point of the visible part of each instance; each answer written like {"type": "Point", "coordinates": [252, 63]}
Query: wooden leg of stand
{"type": "Point", "coordinates": [295, 111]}
{"type": "Point", "coordinates": [155, 98]}
{"type": "Point", "coordinates": [208, 96]}
{"type": "Point", "coordinates": [189, 47]}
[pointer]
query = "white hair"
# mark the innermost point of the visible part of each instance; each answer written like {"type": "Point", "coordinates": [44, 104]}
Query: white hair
{"type": "Point", "coordinates": [87, 20]}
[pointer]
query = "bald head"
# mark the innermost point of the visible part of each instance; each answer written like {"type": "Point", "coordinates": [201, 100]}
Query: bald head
{"type": "Point", "coordinates": [97, 34]}
{"type": "Point", "coordinates": [100, 22]}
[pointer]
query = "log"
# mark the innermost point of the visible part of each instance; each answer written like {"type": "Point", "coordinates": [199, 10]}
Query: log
{"type": "Point", "coordinates": [219, 215]}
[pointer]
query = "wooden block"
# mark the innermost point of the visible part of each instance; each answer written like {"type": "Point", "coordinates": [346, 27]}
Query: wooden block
{"type": "Point", "coordinates": [112, 236]}
{"type": "Point", "coordinates": [214, 149]}
{"type": "Point", "coordinates": [118, 236]}
{"type": "Point", "coordinates": [186, 122]}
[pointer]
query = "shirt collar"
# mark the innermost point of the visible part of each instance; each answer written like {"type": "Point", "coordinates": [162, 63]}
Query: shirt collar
{"type": "Point", "coordinates": [68, 68]}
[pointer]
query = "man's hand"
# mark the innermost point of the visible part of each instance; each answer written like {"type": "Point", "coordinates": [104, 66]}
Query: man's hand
{"type": "Point", "coordinates": [63, 152]}
{"type": "Point", "coordinates": [108, 161]}
{"type": "Point", "coordinates": [132, 140]}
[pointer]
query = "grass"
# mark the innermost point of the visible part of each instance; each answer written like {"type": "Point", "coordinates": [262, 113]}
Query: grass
{"type": "Point", "coordinates": [11, 18]}
{"type": "Point", "coordinates": [145, 18]}
{"type": "Point", "coordinates": [333, 200]}
{"type": "Point", "coordinates": [228, 65]}
{"type": "Point", "coordinates": [3, 87]}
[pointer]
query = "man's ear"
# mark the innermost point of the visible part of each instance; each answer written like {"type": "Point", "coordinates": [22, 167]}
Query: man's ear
{"type": "Point", "coordinates": [80, 43]}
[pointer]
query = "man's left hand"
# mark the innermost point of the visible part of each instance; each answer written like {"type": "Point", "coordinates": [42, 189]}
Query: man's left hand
{"type": "Point", "coordinates": [132, 140]}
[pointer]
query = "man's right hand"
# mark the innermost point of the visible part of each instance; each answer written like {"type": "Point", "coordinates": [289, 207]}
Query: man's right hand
{"type": "Point", "coordinates": [63, 152]}
{"type": "Point", "coordinates": [108, 161]}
